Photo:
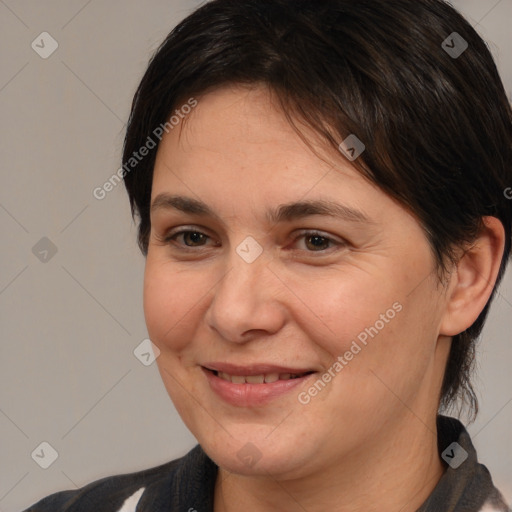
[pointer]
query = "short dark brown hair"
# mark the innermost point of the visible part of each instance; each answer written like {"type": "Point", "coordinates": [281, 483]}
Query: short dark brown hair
{"type": "Point", "coordinates": [437, 126]}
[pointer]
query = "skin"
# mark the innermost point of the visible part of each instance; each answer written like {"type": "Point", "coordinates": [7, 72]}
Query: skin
{"type": "Point", "coordinates": [367, 441]}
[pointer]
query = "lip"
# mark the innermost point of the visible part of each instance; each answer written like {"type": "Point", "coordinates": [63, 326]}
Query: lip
{"type": "Point", "coordinates": [252, 395]}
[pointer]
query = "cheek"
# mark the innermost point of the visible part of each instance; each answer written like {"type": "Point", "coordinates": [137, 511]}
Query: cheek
{"type": "Point", "coordinates": [372, 318]}
{"type": "Point", "coordinates": [397, 354]}
{"type": "Point", "coordinates": [339, 308]}
{"type": "Point", "coordinates": [171, 300]}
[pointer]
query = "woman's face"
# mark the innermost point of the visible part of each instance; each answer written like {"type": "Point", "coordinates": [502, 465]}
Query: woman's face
{"type": "Point", "coordinates": [249, 288]}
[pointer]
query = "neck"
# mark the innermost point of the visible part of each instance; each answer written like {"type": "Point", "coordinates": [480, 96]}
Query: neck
{"type": "Point", "coordinates": [396, 473]}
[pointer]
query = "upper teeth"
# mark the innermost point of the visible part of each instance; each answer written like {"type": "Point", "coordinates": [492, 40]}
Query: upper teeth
{"type": "Point", "coordinates": [256, 379]}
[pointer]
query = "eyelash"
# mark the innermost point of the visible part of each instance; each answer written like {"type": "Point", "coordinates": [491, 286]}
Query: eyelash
{"type": "Point", "coordinates": [171, 239]}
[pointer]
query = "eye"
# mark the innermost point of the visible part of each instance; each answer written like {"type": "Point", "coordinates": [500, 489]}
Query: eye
{"type": "Point", "coordinates": [315, 241]}
{"type": "Point", "coordinates": [190, 238]}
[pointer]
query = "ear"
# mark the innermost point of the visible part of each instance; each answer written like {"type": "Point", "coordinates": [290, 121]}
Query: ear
{"type": "Point", "coordinates": [473, 279]}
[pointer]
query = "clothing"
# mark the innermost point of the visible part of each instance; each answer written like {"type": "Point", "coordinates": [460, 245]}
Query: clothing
{"type": "Point", "coordinates": [187, 484]}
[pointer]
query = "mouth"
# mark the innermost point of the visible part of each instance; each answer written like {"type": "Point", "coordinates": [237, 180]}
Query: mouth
{"type": "Point", "coordinates": [263, 378]}
{"type": "Point", "coordinates": [256, 385]}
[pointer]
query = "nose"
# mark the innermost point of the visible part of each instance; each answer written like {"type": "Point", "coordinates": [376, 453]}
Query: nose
{"type": "Point", "coordinates": [247, 301]}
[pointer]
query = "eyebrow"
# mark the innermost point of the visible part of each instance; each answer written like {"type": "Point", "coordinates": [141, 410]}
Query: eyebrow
{"type": "Point", "coordinates": [283, 213]}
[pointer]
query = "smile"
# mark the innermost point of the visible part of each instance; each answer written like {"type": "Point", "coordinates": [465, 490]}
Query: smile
{"type": "Point", "coordinates": [253, 386]}
{"type": "Point", "coordinates": [257, 379]}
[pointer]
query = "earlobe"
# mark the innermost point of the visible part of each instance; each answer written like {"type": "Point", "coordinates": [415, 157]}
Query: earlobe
{"type": "Point", "coordinates": [473, 279]}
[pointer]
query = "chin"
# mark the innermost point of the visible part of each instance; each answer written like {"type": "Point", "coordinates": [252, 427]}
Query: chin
{"type": "Point", "coordinates": [256, 457]}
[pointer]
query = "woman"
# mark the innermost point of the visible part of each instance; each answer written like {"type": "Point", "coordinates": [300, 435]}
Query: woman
{"type": "Point", "coordinates": [321, 190]}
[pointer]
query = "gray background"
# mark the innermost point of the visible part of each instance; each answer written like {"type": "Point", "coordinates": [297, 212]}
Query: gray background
{"type": "Point", "coordinates": [70, 324]}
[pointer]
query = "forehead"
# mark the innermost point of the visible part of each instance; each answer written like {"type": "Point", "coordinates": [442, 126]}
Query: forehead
{"type": "Point", "coordinates": [240, 133]}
